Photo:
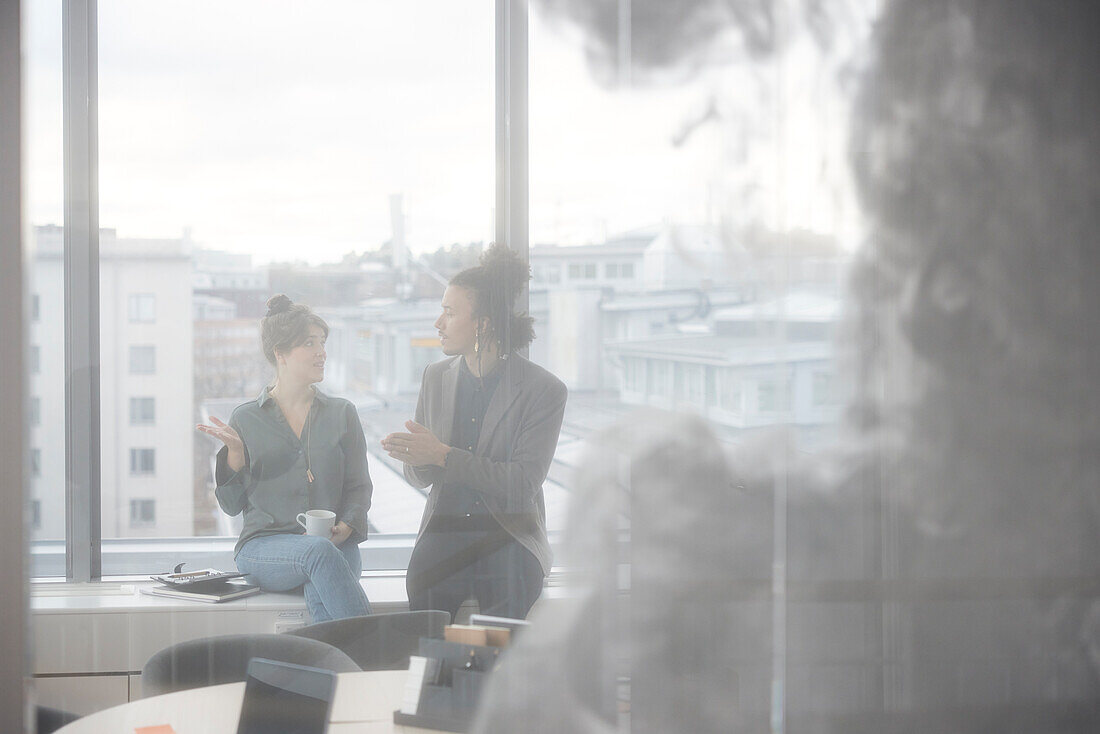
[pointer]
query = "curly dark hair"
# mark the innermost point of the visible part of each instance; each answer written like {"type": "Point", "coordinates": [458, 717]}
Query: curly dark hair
{"type": "Point", "coordinates": [494, 284]}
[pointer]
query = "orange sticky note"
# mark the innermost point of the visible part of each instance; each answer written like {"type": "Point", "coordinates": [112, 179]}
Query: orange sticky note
{"type": "Point", "coordinates": [158, 729]}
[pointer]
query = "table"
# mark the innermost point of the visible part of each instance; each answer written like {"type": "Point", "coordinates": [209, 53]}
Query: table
{"type": "Point", "coordinates": [364, 704]}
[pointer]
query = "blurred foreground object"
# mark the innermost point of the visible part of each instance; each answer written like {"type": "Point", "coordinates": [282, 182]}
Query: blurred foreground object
{"type": "Point", "coordinates": [942, 564]}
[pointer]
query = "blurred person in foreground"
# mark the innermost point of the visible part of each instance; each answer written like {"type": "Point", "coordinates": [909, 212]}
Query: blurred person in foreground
{"type": "Point", "coordinates": [484, 434]}
{"type": "Point", "coordinates": [943, 563]}
{"type": "Point", "coordinates": [290, 450]}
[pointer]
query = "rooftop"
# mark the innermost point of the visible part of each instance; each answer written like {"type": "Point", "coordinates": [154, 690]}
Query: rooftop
{"type": "Point", "coordinates": [724, 350]}
{"type": "Point", "coordinates": [796, 306]}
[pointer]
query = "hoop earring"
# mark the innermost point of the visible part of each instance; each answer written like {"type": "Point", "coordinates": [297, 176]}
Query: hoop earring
{"type": "Point", "coordinates": [477, 342]}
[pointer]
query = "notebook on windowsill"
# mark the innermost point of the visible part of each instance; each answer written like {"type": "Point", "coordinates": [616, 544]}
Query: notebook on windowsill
{"type": "Point", "coordinates": [210, 593]}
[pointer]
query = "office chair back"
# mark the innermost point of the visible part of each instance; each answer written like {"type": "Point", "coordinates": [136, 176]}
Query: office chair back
{"type": "Point", "coordinates": [211, 661]}
{"type": "Point", "coordinates": [379, 641]}
{"type": "Point", "coordinates": [50, 719]}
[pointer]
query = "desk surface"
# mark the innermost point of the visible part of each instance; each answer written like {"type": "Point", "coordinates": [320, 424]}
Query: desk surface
{"type": "Point", "coordinates": [364, 703]}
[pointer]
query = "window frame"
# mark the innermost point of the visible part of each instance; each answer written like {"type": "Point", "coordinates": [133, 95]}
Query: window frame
{"type": "Point", "coordinates": [152, 350]}
{"type": "Point", "coordinates": [138, 456]}
{"type": "Point", "coordinates": [822, 389]}
{"type": "Point", "coordinates": [731, 391]}
{"type": "Point", "coordinates": [659, 379]}
{"type": "Point", "coordinates": [774, 394]}
{"type": "Point", "coordinates": [143, 503]}
{"type": "Point", "coordinates": [138, 418]}
{"type": "Point", "coordinates": [83, 540]}
{"type": "Point", "coordinates": [135, 303]}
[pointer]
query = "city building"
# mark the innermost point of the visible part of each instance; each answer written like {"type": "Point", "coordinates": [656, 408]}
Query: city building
{"type": "Point", "coordinates": [228, 356]}
{"type": "Point", "coordinates": [229, 276]}
{"type": "Point", "coordinates": [660, 257]}
{"type": "Point", "coordinates": [616, 263]}
{"type": "Point", "coordinates": [761, 363]}
{"type": "Point", "coordinates": [229, 368]}
{"type": "Point", "coordinates": [146, 412]}
{"type": "Point", "coordinates": [381, 346]}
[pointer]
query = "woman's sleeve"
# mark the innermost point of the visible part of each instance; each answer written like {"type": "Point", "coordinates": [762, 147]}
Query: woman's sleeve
{"type": "Point", "coordinates": [510, 487]}
{"type": "Point", "coordinates": [233, 486]}
{"type": "Point", "coordinates": [357, 484]}
{"type": "Point", "coordinates": [421, 476]}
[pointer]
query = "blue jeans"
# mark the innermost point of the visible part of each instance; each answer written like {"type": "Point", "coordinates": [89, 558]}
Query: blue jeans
{"type": "Point", "coordinates": [329, 575]}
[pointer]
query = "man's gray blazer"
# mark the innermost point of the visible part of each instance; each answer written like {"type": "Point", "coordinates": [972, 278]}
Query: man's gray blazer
{"type": "Point", "coordinates": [514, 451]}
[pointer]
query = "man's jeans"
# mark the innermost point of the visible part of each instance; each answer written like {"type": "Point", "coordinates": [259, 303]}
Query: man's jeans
{"type": "Point", "coordinates": [329, 575]}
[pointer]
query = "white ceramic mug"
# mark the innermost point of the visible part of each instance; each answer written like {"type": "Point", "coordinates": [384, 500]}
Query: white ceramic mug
{"type": "Point", "coordinates": [317, 522]}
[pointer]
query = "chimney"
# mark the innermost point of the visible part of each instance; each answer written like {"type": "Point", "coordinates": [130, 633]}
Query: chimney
{"type": "Point", "coordinates": [400, 252]}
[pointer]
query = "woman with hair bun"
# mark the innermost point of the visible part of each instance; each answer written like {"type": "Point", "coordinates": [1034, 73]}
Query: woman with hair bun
{"type": "Point", "coordinates": [290, 450]}
{"type": "Point", "coordinates": [487, 423]}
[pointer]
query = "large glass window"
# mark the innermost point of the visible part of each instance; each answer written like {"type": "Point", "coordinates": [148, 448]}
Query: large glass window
{"type": "Point", "coordinates": [715, 206]}
{"type": "Point", "coordinates": [231, 170]}
{"type": "Point", "coordinates": [44, 207]}
{"type": "Point", "coordinates": [354, 174]}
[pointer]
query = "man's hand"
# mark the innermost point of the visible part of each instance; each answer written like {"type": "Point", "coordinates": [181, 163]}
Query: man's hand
{"type": "Point", "coordinates": [418, 447]}
{"type": "Point", "coordinates": [341, 531]}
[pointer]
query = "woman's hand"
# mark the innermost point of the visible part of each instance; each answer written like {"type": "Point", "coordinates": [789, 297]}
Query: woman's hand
{"type": "Point", "coordinates": [224, 433]}
{"type": "Point", "coordinates": [418, 447]}
{"type": "Point", "coordinates": [340, 532]}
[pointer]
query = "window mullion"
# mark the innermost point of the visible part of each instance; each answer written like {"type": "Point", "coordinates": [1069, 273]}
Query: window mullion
{"type": "Point", "coordinates": [82, 427]}
{"type": "Point", "coordinates": [511, 226]}
{"type": "Point", "coordinates": [13, 387]}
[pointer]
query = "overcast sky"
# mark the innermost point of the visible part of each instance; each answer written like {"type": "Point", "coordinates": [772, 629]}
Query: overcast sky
{"type": "Point", "coordinates": [281, 129]}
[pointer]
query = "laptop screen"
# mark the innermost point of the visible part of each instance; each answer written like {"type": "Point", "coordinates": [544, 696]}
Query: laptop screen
{"type": "Point", "coordinates": [285, 699]}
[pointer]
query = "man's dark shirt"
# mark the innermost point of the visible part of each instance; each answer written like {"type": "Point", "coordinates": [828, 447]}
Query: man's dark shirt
{"type": "Point", "coordinates": [460, 507]}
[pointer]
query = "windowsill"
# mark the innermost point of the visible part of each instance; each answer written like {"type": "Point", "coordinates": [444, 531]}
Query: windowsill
{"type": "Point", "coordinates": [123, 594]}
{"type": "Point", "coordinates": [385, 589]}
{"type": "Point", "coordinates": [60, 587]}
{"type": "Point", "coordinates": [133, 559]}
{"type": "Point", "coordinates": [143, 556]}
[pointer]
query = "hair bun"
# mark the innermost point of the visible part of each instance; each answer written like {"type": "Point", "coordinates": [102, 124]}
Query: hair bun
{"type": "Point", "coordinates": [278, 303]}
{"type": "Point", "coordinates": [503, 265]}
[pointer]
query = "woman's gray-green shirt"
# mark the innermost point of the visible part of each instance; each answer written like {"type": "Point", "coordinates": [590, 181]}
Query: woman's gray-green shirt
{"type": "Point", "coordinates": [272, 487]}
